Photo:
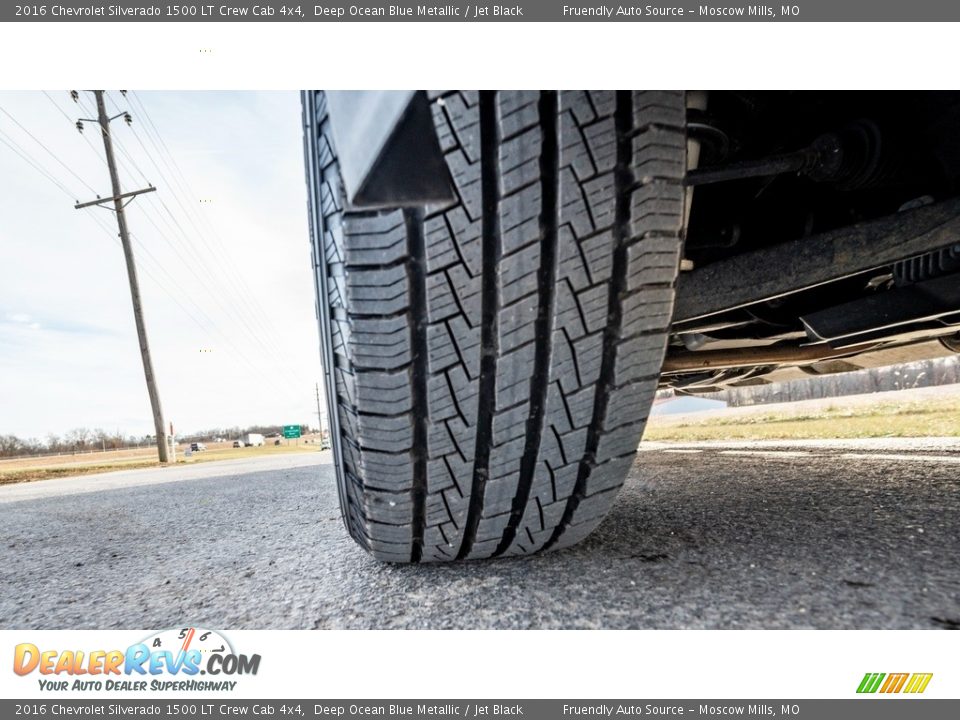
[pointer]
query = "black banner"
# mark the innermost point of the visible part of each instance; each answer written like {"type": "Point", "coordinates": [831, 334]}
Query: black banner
{"type": "Point", "coordinates": [459, 11]}
{"type": "Point", "coordinates": [210, 708]}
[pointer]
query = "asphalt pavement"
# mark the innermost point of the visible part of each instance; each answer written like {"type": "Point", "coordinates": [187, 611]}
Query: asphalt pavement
{"type": "Point", "coordinates": [704, 535]}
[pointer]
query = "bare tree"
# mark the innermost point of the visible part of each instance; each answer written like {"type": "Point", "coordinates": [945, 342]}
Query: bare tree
{"type": "Point", "coordinates": [925, 373]}
{"type": "Point", "coordinates": [78, 438]}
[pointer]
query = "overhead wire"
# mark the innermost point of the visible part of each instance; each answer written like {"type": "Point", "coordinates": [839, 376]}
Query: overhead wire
{"type": "Point", "coordinates": [47, 149]}
{"type": "Point", "coordinates": [188, 258]}
{"type": "Point", "coordinates": [267, 348]}
{"type": "Point", "coordinates": [44, 172]}
{"type": "Point", "coordinates": [180, 186]}
{"type": "Point", "coordinates": [24, 155]}
{"type": "Point", "coordinates": [160, 207]}
{"type": "Point", "coordinates": [72, 121]}
{"type": "Point", "coordinates": [184, 186]}
{"type": "Point", "coordinates": [122, 161]}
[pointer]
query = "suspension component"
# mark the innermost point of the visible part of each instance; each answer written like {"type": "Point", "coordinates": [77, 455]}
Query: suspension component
{"type": "Point", "coordinates": [850, 158]}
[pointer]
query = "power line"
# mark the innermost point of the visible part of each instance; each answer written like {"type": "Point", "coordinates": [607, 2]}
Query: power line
{"type": "Point", "coordinates": [268, 349]}
{"type": "Point", "coordinates": [121, 146]}
{"type": "Point", "coordinates": [243, 291]}
{"type": "Point", "coordinates": [120, 214]}
{"type": "Point", "coordinates": [13, 145]}
{"type": "Point", "coordinates": [201, 261]}
{"type": "Point", "coordinates": [83, 106]}
{"type": "Point", "coordinates": [234, 277]}
{"type": "Point", "coordinates": [40, 169]}
{"type": "Point", "coordinates": [48, 150]}
{"type": "Point", "coordinates": [72, 123]}
{"type": "Point", "coordinates": [136, 240]}
{"type": "Point", "coordinates": [212, 326]}
{"type": "Point", "coordinates": [188, 261]}
{"type": "Point", "coordinates": [132, 168]}
{"type": "Point", "coordinates": [196, 257]}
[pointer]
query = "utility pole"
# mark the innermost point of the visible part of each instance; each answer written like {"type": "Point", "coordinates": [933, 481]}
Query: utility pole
{"type": "Point", "coordinates": [118, 199]}
{"type": "Point", "coordinates": [319, 414]}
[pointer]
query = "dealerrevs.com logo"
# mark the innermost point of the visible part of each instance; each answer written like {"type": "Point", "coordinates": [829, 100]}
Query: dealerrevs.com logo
{"type": "Point", "coordinates": [170, 660]}
{"type": "Point", "coordinates": [890, 683]}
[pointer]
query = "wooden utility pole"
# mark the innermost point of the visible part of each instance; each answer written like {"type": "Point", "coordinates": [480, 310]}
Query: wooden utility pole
{"type": "Point", "coordinates": [118, 199]}
{"type": "Point", "coordinates": [319, 415]}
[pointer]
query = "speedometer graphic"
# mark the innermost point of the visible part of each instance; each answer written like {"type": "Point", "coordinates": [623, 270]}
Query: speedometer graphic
{"type": "Point", "coordinates": [182, 640]}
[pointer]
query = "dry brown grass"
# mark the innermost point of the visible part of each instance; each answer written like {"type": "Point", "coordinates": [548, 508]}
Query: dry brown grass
{"type": "Point", "coordinates": [28, 469]}
{"type": "Point", "coordinates": [931, 418]}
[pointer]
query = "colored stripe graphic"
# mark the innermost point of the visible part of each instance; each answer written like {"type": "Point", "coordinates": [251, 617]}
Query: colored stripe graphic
{"type": "Point", "coordinates": [870, 682]}
{"type": "Point", "coordinates": [895, 683]}
{"type": "Point", "coordinates": [918, 682]}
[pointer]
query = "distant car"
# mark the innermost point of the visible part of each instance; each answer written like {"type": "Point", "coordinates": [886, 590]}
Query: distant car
{"type": "Point", "coordinates": [238, 443]}
{"type": "Point", "coordinates": [276, 442]}
{"type": "Point", "coordinates": [197, 447]}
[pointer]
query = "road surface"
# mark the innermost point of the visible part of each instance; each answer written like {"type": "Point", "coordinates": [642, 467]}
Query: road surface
{"type": "Point", "coordinates": [704, 535]}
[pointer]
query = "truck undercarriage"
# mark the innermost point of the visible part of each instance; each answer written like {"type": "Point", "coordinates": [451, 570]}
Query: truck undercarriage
{"type": "Point", "coordinates": [822, 229]}
{"type": "Point", "coordinates": [822, 236]}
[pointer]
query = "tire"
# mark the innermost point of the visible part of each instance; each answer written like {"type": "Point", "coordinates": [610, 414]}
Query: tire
{"type": "Point", "coordinates": [494, 360]}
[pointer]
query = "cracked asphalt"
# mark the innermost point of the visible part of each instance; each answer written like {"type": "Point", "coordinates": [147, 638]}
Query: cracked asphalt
{"type": "Point", "coordinates": [702, 536]}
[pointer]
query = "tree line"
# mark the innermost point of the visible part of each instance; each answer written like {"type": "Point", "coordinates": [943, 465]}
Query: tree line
{"type": "Point", "coordinates": [77, 440]}
{"type": "Point", "coordinates": [923, 373]}
{"type": "Point", "coordinates": [82, 439]}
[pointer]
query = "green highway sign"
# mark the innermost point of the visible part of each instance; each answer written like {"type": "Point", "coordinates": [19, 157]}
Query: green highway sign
{"type": "Point", "coordinates": [291, 431]}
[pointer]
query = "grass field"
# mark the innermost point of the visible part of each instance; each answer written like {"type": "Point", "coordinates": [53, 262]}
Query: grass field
{"type": "Point", "coordinates": [28, 469]}
{"type": "Point", "coordinates": [927, 412]}
{"type": "Point", "coordinates": [837, 418]}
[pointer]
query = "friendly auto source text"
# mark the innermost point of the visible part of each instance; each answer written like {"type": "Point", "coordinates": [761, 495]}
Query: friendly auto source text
{"type": "Point", "coordinates": [610, 11]}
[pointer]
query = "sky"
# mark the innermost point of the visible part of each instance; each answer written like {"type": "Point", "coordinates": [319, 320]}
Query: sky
{"type": "Point", "coordinates": [222, 251]}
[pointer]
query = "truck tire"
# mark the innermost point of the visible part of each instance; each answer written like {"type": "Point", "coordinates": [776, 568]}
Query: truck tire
{"type": "Point", "coordinates": [494, 360]}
